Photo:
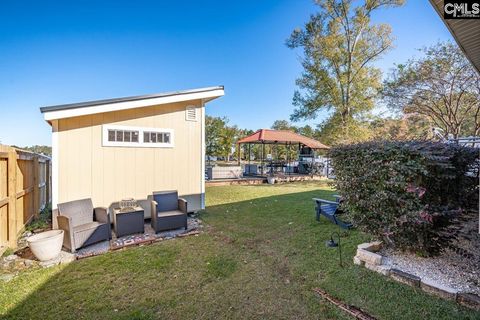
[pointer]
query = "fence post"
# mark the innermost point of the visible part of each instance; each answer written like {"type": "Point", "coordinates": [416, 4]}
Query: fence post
{"type": "Point", "coordinates": [48, 182]}
{"type": "Point", "coordinates": [12, 198]}
{"type": "Point", "coordinates": [36, 182]}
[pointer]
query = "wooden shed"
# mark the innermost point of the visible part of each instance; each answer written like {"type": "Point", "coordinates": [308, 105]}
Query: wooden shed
{"type": "Point", "coordinates": [113, 149]}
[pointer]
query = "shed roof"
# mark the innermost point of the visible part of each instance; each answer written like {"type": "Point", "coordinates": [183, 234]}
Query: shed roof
{"type": "Point", "coordinates": [281, 136]}
{"type": "Point", "coordinates": [465, 32]}
{"type": "Point", "coordinates": [115, 104]}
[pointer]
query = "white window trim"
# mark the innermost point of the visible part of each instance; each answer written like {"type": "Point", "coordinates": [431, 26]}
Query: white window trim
{"type": "Point", "coordinates": [55, 166]}
{"type": "Point", "coordinates": [140, 143]}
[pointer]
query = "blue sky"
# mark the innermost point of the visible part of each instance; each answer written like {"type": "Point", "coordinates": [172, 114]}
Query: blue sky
{"type": "Point", "coordinates": [72, 51]}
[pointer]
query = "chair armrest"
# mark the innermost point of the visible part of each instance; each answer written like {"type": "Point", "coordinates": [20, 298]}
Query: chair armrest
{"type": "Point", "coordinates": [55, 213]}
{"type": "Point", "coordinates": [183, 205]}
{"type": "Point", "coordinates": [320, 201]}
{"type": "Point", "coordinates": [153, 214]}
{"type": "Point", "coordinates": [101, 215]}
{"type": "Point", "coordinates": [65, 224]}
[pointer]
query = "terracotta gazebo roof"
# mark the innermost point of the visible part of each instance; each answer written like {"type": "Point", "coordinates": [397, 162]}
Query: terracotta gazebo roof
{"type": "Point", "coordinates": [283, 137]}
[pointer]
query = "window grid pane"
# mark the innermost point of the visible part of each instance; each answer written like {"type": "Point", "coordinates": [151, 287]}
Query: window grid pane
{"type": "Point", "coordinates": [126, 136]}
{"type": "Point", "coordinates": [111, 135]}
{"type": "Point", "coordinates": [134, 136]}
{"type": "Point", "coordinates": [119, 136]}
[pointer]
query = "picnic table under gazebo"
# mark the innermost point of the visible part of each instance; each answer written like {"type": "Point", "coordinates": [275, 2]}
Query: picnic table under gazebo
{"type": "Point", "coordinates": [307, 149]}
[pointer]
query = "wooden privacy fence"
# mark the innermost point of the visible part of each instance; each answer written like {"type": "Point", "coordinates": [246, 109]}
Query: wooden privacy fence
{"type": "Point", "coordinates": [25, 189]}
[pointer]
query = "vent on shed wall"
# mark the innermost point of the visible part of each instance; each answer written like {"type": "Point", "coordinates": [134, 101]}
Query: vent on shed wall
{"type": "Point", "coordinates": [191, 114]}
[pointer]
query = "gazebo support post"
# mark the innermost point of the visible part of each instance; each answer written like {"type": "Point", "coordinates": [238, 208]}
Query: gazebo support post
{"type": "Point", "coordinates": [288, 158]}
{"type": "Point", "coordinates": [298, 155]}
{"type": "Point", "coordinates": [239, 153]}
{"type": "Point", "coordinates": [263, 156]}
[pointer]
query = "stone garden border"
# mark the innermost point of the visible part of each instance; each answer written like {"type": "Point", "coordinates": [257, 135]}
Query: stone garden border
{"type": "Point", "coordinates": [367, 255]}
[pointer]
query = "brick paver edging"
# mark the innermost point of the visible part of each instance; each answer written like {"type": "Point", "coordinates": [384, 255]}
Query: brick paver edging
{"type": "Point", "coordinates": [367, 255]}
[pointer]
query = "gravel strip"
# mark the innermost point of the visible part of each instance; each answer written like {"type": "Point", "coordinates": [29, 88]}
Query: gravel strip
{"type": "Point", "coordinates": [449, 269]}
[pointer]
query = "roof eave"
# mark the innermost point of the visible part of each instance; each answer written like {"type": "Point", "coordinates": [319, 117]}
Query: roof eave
{"type": "Point", "coordinates": [101, 106]}
{"type": "Point", "coordinates": [454, 35]}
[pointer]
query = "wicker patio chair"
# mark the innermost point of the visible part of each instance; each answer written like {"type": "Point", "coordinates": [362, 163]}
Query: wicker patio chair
{"type": "Point", "coordinates": [83, 224]}
{"type": "Point", "coordinates": [168, 211]}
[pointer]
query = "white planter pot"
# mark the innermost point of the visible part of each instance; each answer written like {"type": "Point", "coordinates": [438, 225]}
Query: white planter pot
{"type": "Point", "coordinates": [271, 180]}
{"type": "Point", "coordinates": [46, 245]}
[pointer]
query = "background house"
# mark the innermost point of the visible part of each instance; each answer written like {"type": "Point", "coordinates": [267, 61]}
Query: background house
{"type": "Point", "coordinates": [129, 147]}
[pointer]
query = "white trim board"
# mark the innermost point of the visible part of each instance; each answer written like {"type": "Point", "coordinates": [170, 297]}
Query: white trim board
{"type": "Point", "coordinates": [54, 164]}
{"type": "Point", "coordinates": [202, 161]}
{"type": "Point", "coordinates": [116, 106]}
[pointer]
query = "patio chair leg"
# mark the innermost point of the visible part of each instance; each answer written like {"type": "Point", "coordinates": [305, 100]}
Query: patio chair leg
{"type": "Point", "coordinates": [72, 250]}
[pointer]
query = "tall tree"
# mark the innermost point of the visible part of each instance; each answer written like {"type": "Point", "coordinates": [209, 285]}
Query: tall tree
{"type": "Point", "coordinates": [441, 85]}
{"type": "Point", "coordinates": [339, 45]}
{"type": "Point", "coordinates": [244, 148]}
{"type": "Point", "coordinates": [228, 140]}
{"type": "Point", "coordinates": [283, 125]}
{"type": "Point", "coordinates": [331, 133]}
{"type": "Point", "coordinates": [282, 151]}
{"type": "Point", "coordinates": [408, 127]}
{"type": "Point", "coordinates": [220, 139]}
{"type": "Point", "coordinates": [40, 149]}
{"type": "Point", "coordinates": [214, 127]}
{"type": "Point", "coordinates": [306, 131]}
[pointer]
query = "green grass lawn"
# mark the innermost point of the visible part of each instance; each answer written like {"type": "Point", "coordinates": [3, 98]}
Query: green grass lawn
{"type": "Point", "coordinates": [259, 257]}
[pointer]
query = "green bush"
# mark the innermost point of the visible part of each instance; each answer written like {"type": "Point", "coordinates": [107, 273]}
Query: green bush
{"type": "Point", "coordinates": [408, 194]}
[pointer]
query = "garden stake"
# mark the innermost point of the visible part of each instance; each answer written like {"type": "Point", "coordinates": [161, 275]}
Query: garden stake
{"type": "Point", "coordinates": [332, 244]}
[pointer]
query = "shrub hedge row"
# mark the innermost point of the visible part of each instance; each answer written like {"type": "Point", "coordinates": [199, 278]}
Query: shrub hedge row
{"type": "Point", "coordinates": [407, 193]}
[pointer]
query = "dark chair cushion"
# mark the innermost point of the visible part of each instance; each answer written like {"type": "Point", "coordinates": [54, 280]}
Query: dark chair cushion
{"type": "Point", "coordinates": [170, 220]}
{"type": "Point", "coordinates": [87, 226]}
{"type": "Point", "coordinates": [90, 233]}
{"type": "Point", "coordinates": [166, 200]}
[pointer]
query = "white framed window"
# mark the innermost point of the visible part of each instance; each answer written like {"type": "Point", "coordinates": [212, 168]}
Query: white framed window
{"type": "Point", "coordinates": [120, 135]}
{"type": "Point", "coordinates": [156, 137]}
{"type": "Point", "coordinates": [127, 136]}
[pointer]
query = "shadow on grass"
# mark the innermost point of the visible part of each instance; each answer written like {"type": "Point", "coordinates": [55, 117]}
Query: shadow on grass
{"type": "Point", "coordinates": [258, 258]}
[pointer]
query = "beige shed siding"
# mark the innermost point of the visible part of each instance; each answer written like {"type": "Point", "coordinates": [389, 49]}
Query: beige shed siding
{"type": "Point", "coordinates": [108, 174]}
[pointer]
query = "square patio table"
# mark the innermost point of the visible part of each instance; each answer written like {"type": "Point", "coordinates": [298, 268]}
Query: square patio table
{"type": "Point", "coordinates": [128, 221]}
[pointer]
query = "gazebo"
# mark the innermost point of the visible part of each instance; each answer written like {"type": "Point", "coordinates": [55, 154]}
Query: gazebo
{"type": "Point", "coordinates": [306, 147]}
